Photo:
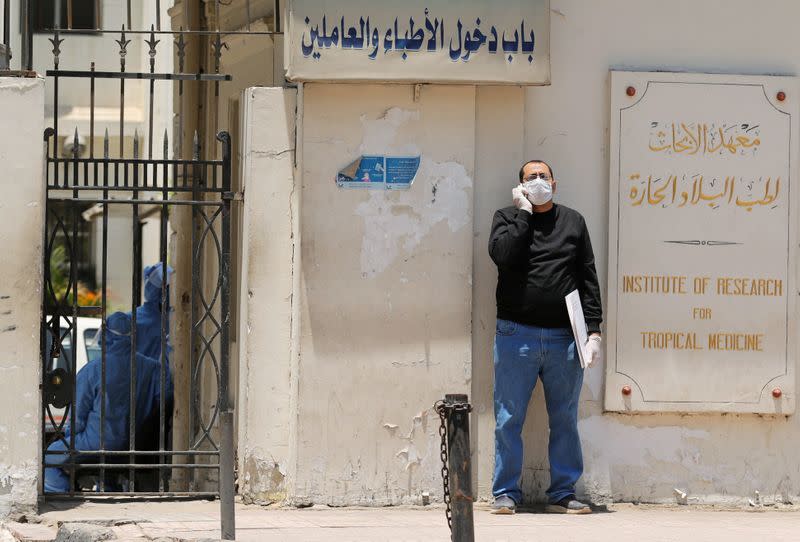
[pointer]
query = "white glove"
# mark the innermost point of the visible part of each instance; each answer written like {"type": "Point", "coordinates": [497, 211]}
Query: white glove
{"type": "Point", "coordinates": [595, 350]}
{"type": "Point", "coordinates": [521, 201]}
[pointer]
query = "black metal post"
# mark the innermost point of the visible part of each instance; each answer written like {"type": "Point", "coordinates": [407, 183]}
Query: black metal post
{"type": "Point", "coordinates": [7, 32]}
{"type": "Point", "coordinates": [164, 361]}
{"type": "Point", "coordinates": [195, 333]}
{"type": "Point", "coordinates": [27, 36]}
{"type": "Point", "coordinates": [136, 296]}
{"type": "Point", "coordinates": [104, 302]}
{"type": "Point", "coordinates": [460, 467]}
{"type": "Point", "coordinates": [46, 354]}
{"type": "Point", "coordinates": [56, 14]}
{"type": "Point", "coordinates": [227, 489]}
{"type": "Point", "coordinates": [73, 285]}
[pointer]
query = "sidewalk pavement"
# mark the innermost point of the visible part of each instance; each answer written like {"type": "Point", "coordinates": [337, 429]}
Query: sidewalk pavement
{"type": "Point", "coordinates": [198, 520]}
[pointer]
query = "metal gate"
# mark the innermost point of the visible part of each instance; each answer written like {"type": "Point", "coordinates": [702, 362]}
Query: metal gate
{"type": "Point", "coordinates": [111, 409]}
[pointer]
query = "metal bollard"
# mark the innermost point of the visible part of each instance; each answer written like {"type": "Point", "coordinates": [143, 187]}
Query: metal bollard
{"type": "Point", "coordinates": [457, 465]}
{"type": "Point", "coordinates": [227, 490]}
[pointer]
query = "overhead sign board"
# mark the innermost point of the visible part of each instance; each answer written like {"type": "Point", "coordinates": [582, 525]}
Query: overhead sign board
{"type": "Point", "coordinates": [468, 41]}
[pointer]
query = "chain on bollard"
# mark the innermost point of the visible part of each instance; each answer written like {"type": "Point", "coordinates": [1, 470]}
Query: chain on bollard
{"type": "Point", "coordinates": [441, 407]}
{"type": "Point", "coordinates": [445, 409]}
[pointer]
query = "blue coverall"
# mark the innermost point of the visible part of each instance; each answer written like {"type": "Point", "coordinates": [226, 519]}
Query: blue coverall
{"type": "Point", "coordinates": [148, 314]}
{"type": "Point", "coordinates": [88, 399]}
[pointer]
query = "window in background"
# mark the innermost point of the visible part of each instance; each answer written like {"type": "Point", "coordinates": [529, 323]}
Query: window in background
{"type": "Point", "coordinates": [75, 14]}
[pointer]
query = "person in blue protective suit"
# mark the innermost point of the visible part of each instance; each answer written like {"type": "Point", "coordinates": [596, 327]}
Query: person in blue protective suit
{"type": "Point", "coordinates": [148, 314]}
{"type": "Point", "coordinates": [89, 399]}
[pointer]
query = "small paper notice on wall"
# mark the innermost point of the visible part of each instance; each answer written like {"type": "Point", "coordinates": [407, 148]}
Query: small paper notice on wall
{"type": "Point", "coordinates": [579, 331]}
{"type": "Point", "coordinates": [379, 172]}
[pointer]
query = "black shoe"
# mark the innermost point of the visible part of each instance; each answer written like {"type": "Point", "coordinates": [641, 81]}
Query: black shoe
{"type": "Point", "coordinates": [568, 505]}
{"type": "Point", "coordinates": [504, 505]}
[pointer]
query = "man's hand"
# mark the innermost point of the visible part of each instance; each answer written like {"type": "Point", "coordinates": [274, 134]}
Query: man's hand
{"type": "Point", "coordinates": [595, 348]}
{"type": "Point", "coordinates": [521, 201]}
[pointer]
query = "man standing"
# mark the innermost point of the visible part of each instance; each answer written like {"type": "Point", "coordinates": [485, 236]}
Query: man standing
{"type": "Point", "coordinates": [543, 252]}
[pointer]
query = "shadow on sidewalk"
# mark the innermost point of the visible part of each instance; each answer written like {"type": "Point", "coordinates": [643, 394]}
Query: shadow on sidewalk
{"type": "Point", "coordinates": [540, 509]}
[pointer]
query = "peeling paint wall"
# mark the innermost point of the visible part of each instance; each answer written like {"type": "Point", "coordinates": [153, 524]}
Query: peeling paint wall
{"type": "Point", "coordinates": [21, 226]}
{"type": "Point", "coordinates": [385, 291]}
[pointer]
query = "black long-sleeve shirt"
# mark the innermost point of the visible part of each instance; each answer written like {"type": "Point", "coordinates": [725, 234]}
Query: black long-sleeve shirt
{"type": "Point", "coordinates": [541, 257]}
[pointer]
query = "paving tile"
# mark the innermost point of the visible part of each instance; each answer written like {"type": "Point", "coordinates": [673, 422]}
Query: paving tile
{"type": "Point", "coordinates": [31, 532]}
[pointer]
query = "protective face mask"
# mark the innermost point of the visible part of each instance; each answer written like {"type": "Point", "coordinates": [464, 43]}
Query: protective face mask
{"type": "Point", "coordinates": [539, 190]}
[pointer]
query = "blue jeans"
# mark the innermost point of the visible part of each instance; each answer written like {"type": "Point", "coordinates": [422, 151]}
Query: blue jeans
{"type": "Point", "coordinates": [521, 354]}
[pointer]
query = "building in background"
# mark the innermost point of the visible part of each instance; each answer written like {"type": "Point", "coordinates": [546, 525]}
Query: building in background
{"type": "Point", "coordinates": [79, 51]}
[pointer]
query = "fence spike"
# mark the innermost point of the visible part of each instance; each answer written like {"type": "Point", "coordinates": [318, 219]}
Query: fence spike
{"type": "Point", "coordinates": [105, 145]}
{"type": "Point", "coordinates": [136, 143]}
{"type": "Point", "coordinates": [196, 146]}
{"type": "Point", "coordinates": [166, 144]}
{"type": "Point", "coordinates": [181, 45]}
{"type": "Point", "coordinates": [152, 43]}
{"type": "Point", "coordinates": [75, 144]}
{"type": "Point", "coordinates": [123, 47]}
{"type": "Point", "coordinates": [56, 41]}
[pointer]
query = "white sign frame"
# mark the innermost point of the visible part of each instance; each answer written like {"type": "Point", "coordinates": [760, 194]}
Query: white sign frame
{"type": "Point", "coordinates": [672, 385]}
{"type": "Point", "coordinates": [409, 60]}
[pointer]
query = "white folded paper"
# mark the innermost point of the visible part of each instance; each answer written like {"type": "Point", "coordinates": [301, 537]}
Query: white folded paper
{"type": "Point", "coordinates": [575, 311]}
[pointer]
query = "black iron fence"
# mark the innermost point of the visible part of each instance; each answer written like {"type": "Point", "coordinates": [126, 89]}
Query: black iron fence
{"type": "Point", "coordinates": [73, 183]}
{"type": "Point", "coordinates": [71, 393]}
{"type": "Point", "coordinates": [94, 176]}
{"type": "Point", "coordinates": [186, 190]}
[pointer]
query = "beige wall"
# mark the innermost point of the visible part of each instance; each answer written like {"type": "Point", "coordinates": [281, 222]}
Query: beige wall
{"type": "Point", "coordinates": [385, 291]}
{"type": "Point", "coordinates": [21, 226]}
{"type": "Point", "coordinates": [395, 303]}
{"type": "Point", "coordinates": [643, 457]}
{"type": "Point", "coordinates": [392, 314]}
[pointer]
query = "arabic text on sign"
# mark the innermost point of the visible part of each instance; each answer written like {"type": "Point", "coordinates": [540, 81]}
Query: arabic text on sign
{"type": "Point", "coordinates": [696, 190]}
{"type": "Point", "coordinates": [704, 138]}
{"type": "Point", "coordinates": [430, 37]}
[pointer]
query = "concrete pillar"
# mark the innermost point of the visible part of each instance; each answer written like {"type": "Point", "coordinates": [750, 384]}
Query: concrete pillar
{"type": "Point", "coordinates": [270, 245]}
{"type": "Point", "coordinates": [21, 226]}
